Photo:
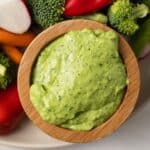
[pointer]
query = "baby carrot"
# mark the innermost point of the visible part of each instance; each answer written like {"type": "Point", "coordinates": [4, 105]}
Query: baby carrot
{"type": "Point", "coordinates": [13, 53]}
{"type": "Point", "coordinates": [19, 40]}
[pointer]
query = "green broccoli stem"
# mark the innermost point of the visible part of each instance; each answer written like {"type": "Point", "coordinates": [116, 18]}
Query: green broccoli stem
{"type": "Point", "coordinates": [140, 11]}
{"type": "Point", "coordinates": [99, 17]}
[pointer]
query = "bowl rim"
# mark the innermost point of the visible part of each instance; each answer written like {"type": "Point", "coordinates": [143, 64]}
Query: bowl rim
{"type": "Point", "coordinates": [114, 122]}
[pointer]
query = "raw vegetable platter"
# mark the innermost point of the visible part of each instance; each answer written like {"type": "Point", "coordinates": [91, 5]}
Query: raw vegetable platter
{"type": "Point", "coordinates": [23, 20]}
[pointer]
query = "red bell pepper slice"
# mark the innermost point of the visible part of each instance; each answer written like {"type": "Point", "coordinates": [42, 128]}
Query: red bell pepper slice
{"type": "Point", "coordinates": [11, 110]}
{"type": "Point", "coordinates": [82, 7]}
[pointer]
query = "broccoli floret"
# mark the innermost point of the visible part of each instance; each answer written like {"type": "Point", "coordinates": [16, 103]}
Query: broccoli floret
{"type": "Point", "coordinates": [123, 16]}
{"type": "Point", "coordinates": [46, 12]}
{"type": "Point", "coordinates": [128, 27]}
{"type": "Point", "coordinates": [8, 71]}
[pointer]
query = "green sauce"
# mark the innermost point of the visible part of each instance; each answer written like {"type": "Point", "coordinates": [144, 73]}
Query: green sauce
{"type": "Point", "coordinates": [79, 79]}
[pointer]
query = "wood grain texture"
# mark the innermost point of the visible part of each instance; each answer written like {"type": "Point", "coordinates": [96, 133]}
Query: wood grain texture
{"type": "Point", "coordinates": [128, 102]}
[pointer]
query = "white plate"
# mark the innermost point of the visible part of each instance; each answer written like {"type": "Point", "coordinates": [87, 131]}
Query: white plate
{"type": "Point", "coordinates": [29, 136]}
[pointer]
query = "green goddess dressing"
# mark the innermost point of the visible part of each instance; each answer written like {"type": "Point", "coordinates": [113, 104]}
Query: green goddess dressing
{"type": "Point", "coordinates": [79, 79]}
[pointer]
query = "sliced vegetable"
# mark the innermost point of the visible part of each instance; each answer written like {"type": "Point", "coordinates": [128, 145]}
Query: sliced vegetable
{"type": "Point", "coordinates": [11, 111]}
{"type": "Point", "coordinates": [21, 40]}
{"type": "Point", "coordinates": [13, 53]}
{"type": "Point", "coordinates": [46, 12]}
{"type": "Point", "coordinates": [140, 42]}
{"type": "Point", "coordinates": [83, 7]}
{"type": "Point", "coordinates": [8, 71]}
{"type": "Point", "coordinates": [99, 17]}
{"type": "Point", "coordinates": [14, 16]}
{"type": "Point", "coordinates": [123, 16]}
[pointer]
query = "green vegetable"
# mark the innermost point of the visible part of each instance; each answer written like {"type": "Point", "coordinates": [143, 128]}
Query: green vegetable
{"type": "Point", "coordinates": [46, 12]}
{"type": "Point", "coordinates": [123, 16]}
{"type": "Point", "coordinates": [99, 17]}
{"type": "Point", "coordinates": [8, 71]}
{"type": "Point", "coordinates": [147, 2]}
{"type": "Point", "coordinates": [2, 70]}
{"type": "Point", "coordinates": [142, 38]}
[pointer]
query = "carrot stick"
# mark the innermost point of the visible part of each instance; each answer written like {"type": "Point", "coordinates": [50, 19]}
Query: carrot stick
{"type": "Point", "coordinates": [19, 40]}
{"type": "Point", "coordinates": [13, 53]}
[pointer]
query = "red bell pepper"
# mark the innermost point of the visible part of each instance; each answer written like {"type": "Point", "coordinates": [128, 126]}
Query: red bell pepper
{"type": "Point", "coordinates": [11, 110]}
{"type": "Point", "coordinates": [82, 7]}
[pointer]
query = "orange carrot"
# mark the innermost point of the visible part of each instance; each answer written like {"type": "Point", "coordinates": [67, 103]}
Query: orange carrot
{"type": "Point", "coordinates": [13, 53]}
{"type": "Point", "coordinates": [19, 40]}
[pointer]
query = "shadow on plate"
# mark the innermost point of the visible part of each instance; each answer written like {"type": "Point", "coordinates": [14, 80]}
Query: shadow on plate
{"type": "Point", "coordinates": [144, 96]}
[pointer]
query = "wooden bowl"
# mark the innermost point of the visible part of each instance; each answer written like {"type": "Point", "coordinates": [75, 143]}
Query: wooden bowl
{"type": "Point", "coordinates": [110, 125]}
